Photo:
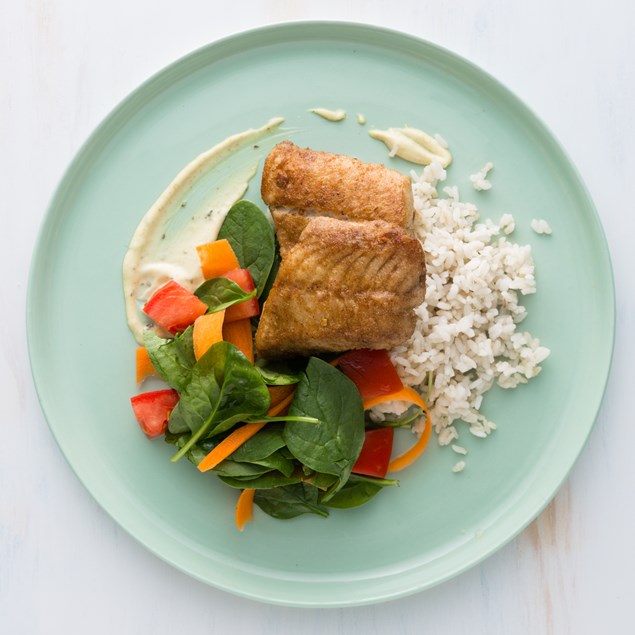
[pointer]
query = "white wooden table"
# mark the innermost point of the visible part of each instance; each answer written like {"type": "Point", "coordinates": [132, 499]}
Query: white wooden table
{"type": "Point", "coordinates": [65, 566]}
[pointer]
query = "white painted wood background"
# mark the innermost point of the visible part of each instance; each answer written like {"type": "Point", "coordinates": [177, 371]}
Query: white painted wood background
{"type": "Point", "coordinates": [65, 566]}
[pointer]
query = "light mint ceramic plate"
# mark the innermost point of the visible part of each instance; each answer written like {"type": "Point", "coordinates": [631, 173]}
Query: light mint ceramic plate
{"type": "Point", "coordinates": [437, 524]}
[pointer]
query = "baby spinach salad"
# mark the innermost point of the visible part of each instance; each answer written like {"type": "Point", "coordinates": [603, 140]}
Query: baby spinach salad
{"type": "Point", "coordinates": [292, 437]}
{"type": "Point", "coordinates": [251, 236]}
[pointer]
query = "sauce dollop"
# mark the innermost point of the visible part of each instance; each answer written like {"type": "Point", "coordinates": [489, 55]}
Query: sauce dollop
{"type": "Point", "coordinates": [188, 213]}
{"type": "Point", "coordinates": [330, 115]}
{"type": "Point", "coordinates": [413, 145]}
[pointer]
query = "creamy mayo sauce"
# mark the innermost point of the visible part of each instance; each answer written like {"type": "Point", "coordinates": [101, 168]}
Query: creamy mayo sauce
{"type": "Point", "coordinates": [190, 212]}
{"type": "Point", "coordinates": [413, 145]}
{"type": "Point", "coordinates": [331, 115]}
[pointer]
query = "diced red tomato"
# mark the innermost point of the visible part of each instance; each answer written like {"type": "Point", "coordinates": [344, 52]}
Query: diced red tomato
{"type": "Point", "coordinates": [152, 410]}
{"type": "Point", "coordinates": [174, 307]}
{"type": "Point", "coordinates": [375, 455]}
{"type": "Point", "coordinates": [371, 371]}
{"type": "Point", "coordinates": [248, 308]}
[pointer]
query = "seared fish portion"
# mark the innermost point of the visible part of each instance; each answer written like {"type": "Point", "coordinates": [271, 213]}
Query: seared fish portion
{"type": "Point", "coordinates": [289, 226]}
{"type": "Point", "coordinates": [343, 285]}
{"type": "Point", "coordinates": [309, 183]}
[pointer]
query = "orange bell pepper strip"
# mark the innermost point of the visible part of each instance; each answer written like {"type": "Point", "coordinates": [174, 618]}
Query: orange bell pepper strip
{"type": "Point", "coordinates": [411, 455]}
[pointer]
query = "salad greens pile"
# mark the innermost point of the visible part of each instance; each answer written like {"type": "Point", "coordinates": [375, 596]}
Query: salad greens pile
{"type": "Point", "coordinates": [252, 238]}
{"type": "Point", "coordinates": [299, 463]}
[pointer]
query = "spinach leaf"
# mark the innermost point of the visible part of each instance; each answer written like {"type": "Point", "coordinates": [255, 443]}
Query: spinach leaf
{"type": "Point", "coordinates": [404, 420]}
{"type": "Point", "coordinates": [271, 278]}
{"type": "Point", "coordinates": [275, 461]}
{"type": "Point", "coordinates": [178, 425]}
{"type": "Point", "coordinates": [224, 388]}
{"type": "Point", "coordinates": [321, 481]}
{"type": "Point", "coordinates": [286, 453]}
{"type": "Point", "coordinates": [240, 470]}
{"type": "Point", "coordinates": [197, 452]}
{"type": "Point", "coordinates": [264, 449]}
{"type": "Point", "coordinates": [333, 445]}
{"type": "Point", "coordinates": [174, 358]}
{"type": "Point", "coordinates": [290, 501]}
{"type": "Point", "coordinates": [245, 464]}
{"type": "Point", "coordinates": [254, 419]}
{"type": "Point", "coordinates": [277, 374]}
{"type": "Point", "coordinates": [220, 293]}
{"type": "Point", "coordinates": [198, 400]}
{"type": "Point", "coordinates": [261, 445]}
{"type": "Point", "coordinates": [357, 491]}
{"type": "Point", "coordinates": [266, 481]}
{"type": "Point", "coordinates": [251, 236]}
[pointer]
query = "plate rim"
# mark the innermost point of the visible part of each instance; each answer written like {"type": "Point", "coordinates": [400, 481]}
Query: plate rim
{"type": "Point", "coordinates": [286, 32]}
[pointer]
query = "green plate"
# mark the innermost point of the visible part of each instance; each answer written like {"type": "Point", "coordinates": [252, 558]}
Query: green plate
{"type": "Point", "coordinates": [437, 524]}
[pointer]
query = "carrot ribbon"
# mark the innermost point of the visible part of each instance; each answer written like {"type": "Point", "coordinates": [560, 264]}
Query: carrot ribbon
{"type": "Point", "coordinates": [245, 508]}
{"type": "Point", "coordinates": [240, 435]}
{"type": "Point", "coordinates": [411, 455]}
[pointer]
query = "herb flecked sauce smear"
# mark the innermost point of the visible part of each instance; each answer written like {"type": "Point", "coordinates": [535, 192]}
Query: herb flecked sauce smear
{"type": "Point", "coordinates": [189, 212]}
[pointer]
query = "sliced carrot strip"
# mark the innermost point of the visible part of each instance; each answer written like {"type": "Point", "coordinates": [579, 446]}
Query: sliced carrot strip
{"type": "Point", "coordinates": [229, 445]}
{"type": "Point", "coordinates": [216, 258]}
{"type": "Point", "coordinates": [239, 436]}
{"type": "Point", "coordinates": [245, 508]}
{"type": "Point", "coordinates": [208, 330]}
{"type": "Point", "coordinates": [405, 394]}
{"type": "Point", "coordinates": [278, 393]}
{"type": "Point", "coordinates": [144, 365]}
{"type": "Point", "coordinates": [411, 455]}
{"type": "Point", "coordinates": [239, 334]}
{"type": "Point", "coordinates": [282, 406]}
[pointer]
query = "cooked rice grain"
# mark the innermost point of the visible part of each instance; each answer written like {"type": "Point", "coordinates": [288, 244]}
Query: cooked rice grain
{"type": "Point", "coordinates": [540, 226]}
{"type": "Point", "coordinates": [479, 180]}
{"type": "Point", "coordinates": [467, 328]}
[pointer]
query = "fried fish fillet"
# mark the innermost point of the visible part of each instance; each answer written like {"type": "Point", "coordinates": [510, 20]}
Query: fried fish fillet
{"type": "Point", "coordinates": [289, 226]}
{"type": "Point", "coordinates": [298, 184]}
{"type": "Point", "coordinates": [343, 285]}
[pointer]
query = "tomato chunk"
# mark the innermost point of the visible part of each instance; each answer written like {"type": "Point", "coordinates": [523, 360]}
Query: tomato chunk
{"type": "Point", "coordinates": [174, 308]}
{"type": "Point", "coordinates": [371, 371]}
{"type": "Point", "coordinates": [152, 410]}
{"type": "Point", "coordinates": [248, 308]}
{"type": "Point", "coordinates": [375, 455]}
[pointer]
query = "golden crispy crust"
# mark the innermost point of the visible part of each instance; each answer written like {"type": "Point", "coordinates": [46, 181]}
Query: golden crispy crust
{"type": "Point", "coordinates": [289, 226]}
{"type": "Point", "coordinates": [337, 185]}
{"type": "Point", "coordinates": [343, 285]}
